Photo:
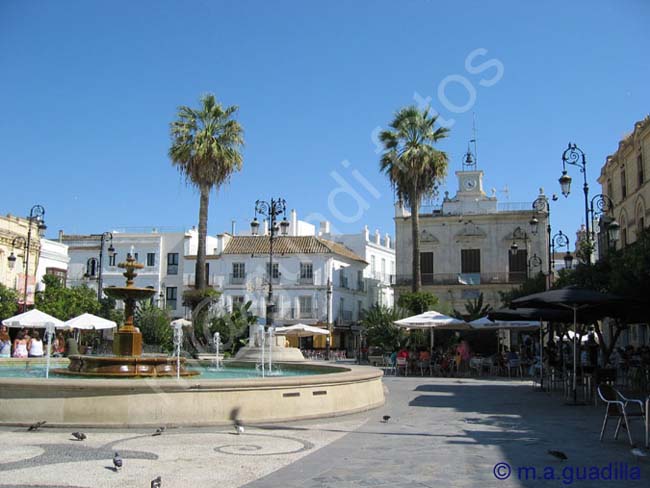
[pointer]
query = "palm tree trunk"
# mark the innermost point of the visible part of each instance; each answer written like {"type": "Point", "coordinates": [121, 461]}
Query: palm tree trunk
{"type": "Point", "coordinates": [416, 283]}
{"type": "Point", "coordinates": [199, 272]}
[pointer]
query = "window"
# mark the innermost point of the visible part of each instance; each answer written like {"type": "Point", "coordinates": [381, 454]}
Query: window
{"type": "Point", "coordinates": [172, 263]}
{"type": "Point", "coordinates": [518, 265]}
{"type": "Point", "coordinates": [306, 271]}
{"type": "Point", "coordinates": [135, 256]}
{"type": "Point", "coordinates": [61, 274]}
{"type": "Point", "coordinates": [343, 280]}
{"type": "Point", "coordinates": [151, 259]}
{"type": "Point", "coordinates": [171, 297]}
{"type": "Point", "coordinates": [470, 260]}
{"type": "Point", "coordinates": [383, 268]}
{"type": "Point", "coordinates": [239, 270]}
{"type": "Point", "coordinates": [623, 183]}
{"type": "Point", "coordinates": [305, 303]}
{"type": "Point", "coordinates": [640, 173]}
{"type": "Point", "coordinates": [610, 189]}
{"type": "Point", "coordinates": [91, 267]}
{"type": "Point", "coordinates": [373, 267]}
{"type": "Point", "coordinates": [237, 301]}
{"type": "Point", "coordinates": [276, 271]}
{"type": "Point", "coordinates": [360, 283]}
{"type": "Point", "coordinates": [112, 259]}
{"type": "Point", "coordinates": [426, 267]}
{"type": "Point", "coordinates": [360, 309]}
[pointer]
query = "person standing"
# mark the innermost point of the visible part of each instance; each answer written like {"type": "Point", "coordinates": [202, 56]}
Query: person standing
{"type": "Point", "coordinates": [35, 346]}
{"type": "Point", "coordinates": [5, 343]}
{"type": "Point", "coordinates": [20, 345]}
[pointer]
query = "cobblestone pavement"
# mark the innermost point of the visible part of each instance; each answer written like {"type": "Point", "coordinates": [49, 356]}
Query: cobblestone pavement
{"type": "Point", "coordinates": [442, 432]}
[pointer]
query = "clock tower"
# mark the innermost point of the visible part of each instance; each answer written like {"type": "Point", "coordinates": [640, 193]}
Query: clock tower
{"type": "Point", "coordinates": [470, 197]}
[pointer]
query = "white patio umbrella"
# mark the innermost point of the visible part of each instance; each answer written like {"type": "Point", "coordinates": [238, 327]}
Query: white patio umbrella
{"type": "Point", "coordinates": [300, 330]}
{"type": "Point", "coordinates": [484, 323]}
{"type": "Point", "coordinates": [88, 321]}
{"type": "Point", "coordinates": [37, 319]}
{"type": "Point", "coordinates": [432, 320]}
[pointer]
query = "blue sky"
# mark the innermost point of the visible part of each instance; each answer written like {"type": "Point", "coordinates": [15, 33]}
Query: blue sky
{"type": "Point", "coordinates": [88, 90]}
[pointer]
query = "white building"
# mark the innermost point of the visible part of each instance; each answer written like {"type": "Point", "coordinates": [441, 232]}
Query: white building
{"type": "Point", "coordinates": [168, 257]}
{"type": "Point", "coordinates": [53, 260]}
{"type": "Point", "coordinates": [358, 268]}
{"type": "Point", "coordinates": [466, 244]}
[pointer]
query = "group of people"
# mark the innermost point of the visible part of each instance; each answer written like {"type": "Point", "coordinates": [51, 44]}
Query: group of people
{"type": "Point", "coordinates": [29, 344]}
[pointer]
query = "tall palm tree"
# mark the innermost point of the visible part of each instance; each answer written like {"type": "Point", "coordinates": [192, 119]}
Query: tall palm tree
{"type": "Point", "coordinates": [413, 166]}
{"type": "Point", "coordinates": [206, 145]}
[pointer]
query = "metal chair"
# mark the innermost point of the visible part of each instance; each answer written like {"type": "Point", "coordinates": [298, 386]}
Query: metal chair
{"type": "Point", "coordinates": [389, 366]}
{"type": "Point", "coordinates": [516, 365]}
{"type": "Point", "coordinates": [403, 364]}
{"type": "Point", "coordinates": [616, 405]}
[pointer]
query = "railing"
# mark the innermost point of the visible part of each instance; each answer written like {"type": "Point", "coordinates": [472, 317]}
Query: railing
{"type": "Point", "coordinates": [306, 280]}
{"type": "Point", "coordinates": [295, 314]}
{"type": "Point", "coordinates": [345, 315]}
{"type": "Point", "coordinates": [343, 282]}
{"type": "Point", "coordinates": [463, 278]}
{"type": "Point", "coordinates": [237, 280]}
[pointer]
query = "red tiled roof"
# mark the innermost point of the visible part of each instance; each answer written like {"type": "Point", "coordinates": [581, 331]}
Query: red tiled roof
{"type": "Point", "coordinates": [289, 245]}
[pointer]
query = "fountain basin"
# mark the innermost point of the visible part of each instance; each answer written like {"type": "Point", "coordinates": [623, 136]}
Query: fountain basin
{"type": "Point", "coordinates": [191, 401]}
{"type": "Point", "coordinates": [124, 366]}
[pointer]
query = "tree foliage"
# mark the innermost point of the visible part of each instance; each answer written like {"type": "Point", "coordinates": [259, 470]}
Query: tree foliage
{"type": "Point", "coordinates": [206, 145]}
{"type": "Point", "coordinates": [233, 326]}
{"type": "Point", "coordinates": [381, 331]}
{"type": "Point", "coordinates": [528, 287]}
{"type": "Point", "coordinates": [417, 302]}
{"type": "Point", "coordinates": [66, 303]}
{"type": "Point", "coordinates": [154, 324]}
{"type": "Point", "coordinates": [414, 166]}
{"type": "Point", "coordinates": [8, 302]}
{"type": "Point", "coordinates": [474, 309]}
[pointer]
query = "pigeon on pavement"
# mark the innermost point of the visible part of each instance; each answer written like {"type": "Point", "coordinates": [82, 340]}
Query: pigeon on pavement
{"type": "Point", "coordinates": [159, 431]}
{"type": "Point", "coordinates": [558, 454]}
{"type": "Point", "coordinates": [640, 453]}
{"type": "Point", "coordinates": [117, 461]}
{"type": "Point", "coordinates": [36, 426]}
{"type": "Point", "coordinates": [239, 427]}
{"type": "Point", "coordinates": [156, 482]}
{"type": "Point", "coordinates": [385, 418]}
{"type": "Point", "coordinates": [80, 436]}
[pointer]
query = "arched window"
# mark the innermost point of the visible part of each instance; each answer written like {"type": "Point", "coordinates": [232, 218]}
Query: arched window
{"type": "Point", "coordinates": [91, 268]}
{"type": "Point", "coordinates": [640, 216]}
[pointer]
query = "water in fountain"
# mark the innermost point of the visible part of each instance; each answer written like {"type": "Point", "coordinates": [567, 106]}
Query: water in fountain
{"type": "Point", "coordinates": [216, 362]}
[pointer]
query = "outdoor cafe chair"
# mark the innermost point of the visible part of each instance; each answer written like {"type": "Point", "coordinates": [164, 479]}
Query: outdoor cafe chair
{"type": "Point", "coordinates": [402, 363]}
{"type": "Point", "coordinates": [516, 365]}
{"type": "Point", "coordinates": [424, 366]}
{"type": "Point", "coordinates": [617, 405]}
{"type": "Point", "coordinates": [389, 366]}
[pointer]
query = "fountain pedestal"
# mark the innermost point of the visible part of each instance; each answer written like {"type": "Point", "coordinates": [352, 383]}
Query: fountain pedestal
{"type": "Point", "coordinates": [127, 342]}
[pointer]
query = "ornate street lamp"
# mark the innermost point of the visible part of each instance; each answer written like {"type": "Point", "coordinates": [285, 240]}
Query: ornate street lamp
{"type": "Point", "coordinates": [541, 205]}
{"type": "Point", "coordinates": [574, 156]}
{"type": "Point", "coordinates": [560, 240]}
{"type": "Point", "coordinates": [36, 214]}
{"type": "Point", "coordinates": [270, 211]}
{"type": "Point", "coordinates": [534, 262]}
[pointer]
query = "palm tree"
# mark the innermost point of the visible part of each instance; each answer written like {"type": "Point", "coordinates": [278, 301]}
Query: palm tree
{"type": "Point", "coordinates": [414, 167]}
{"type": "Point", "coordinates": [206, 145]}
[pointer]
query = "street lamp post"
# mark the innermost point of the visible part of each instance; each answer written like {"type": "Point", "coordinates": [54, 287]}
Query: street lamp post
{"type": "Point", "coordinates": [560, 240]}
{"type": "Point", "coordinates": [601, 206]}
{"type": "Point", "coordinates": [574, 156]}
{"type": "Point", "coordinates": [542, 205]}
{"type": "Point", "coordinates": [111, 251]}
{"type": "Point", "coordinates": [271, 210]}
{"type": "Point", "coordinates": [36, 214]}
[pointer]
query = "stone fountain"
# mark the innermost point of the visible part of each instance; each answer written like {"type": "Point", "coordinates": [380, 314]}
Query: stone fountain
{"type": "Point", "coordinates": [127, 359]}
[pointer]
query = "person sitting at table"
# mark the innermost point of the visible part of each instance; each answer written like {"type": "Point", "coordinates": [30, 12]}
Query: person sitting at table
{"type": "Point", "coordinates": [403, 353]}
{"type": "Point", "coordinates": [425, 356]}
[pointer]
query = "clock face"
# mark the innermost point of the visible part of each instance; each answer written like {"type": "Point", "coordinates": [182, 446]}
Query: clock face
{"type": "Point", "coordinates": [469, 184]}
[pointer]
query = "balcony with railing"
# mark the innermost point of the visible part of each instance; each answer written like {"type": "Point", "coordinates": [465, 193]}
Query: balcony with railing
{"type": "Point", "coordinates": [345, 316]}
{"type": "Point", "coordinates": [463, 279]}
{"type": "Point", "coordinates": [293, 313]}
{"type": "Point", "coordinates": [306, 280]}
{"type": "Point", "coordinates": [238, 279]}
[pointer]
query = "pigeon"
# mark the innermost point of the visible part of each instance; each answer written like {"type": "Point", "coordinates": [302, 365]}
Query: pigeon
{"type": "Point", "coordinates": [117, 461]}
{"type": "Point", "coordinates": [156, 482]}
{"type": "Point", "coordinates": [80, 436]}
{"type": "Point", "coordinates": [239, 427]}
{"type": "Point", "coordinates": [385, 419]}
{"type": "Point", "coordinates": [639, 453]}
{"type": "Point", "coordinates": [159, 431]}
{"type": "Point", "coordinates": [36, 426]}
{"type": "Point", "coordinates": [558, 454]}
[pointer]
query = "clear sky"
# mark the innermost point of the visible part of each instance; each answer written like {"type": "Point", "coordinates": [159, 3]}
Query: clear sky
{"type": "Point", "coordinates": [88, 89]}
